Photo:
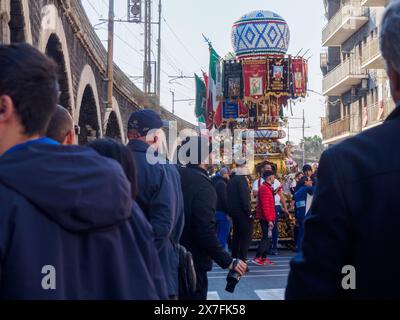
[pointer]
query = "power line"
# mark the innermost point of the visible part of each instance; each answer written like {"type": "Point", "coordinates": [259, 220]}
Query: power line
{"type": "Point", "coordinates": [182, 44]}
{"type": "Point", "coordinates": [94, 8]}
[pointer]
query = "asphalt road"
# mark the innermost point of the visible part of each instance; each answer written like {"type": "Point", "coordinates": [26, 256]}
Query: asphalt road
{"type": "Point", "coordinates": [261, 283]}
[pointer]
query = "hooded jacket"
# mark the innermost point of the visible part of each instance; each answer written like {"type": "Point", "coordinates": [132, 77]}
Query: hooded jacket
{"type": "Point", "coordinates": [65, 227]}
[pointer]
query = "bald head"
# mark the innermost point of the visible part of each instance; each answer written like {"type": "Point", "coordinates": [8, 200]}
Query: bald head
{"type": "Point", "coordinates": [61, 127]}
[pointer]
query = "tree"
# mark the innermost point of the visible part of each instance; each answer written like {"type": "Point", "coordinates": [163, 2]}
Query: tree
{"type": "Point", "coordinates": [313, 148]}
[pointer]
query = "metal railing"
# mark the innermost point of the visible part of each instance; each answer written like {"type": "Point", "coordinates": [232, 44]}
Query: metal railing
{"type": "Point", "coordinates": [351, 66]}
{"type": "Point", "coordinates": [388, 107]}
{"type": "Point", "coordinates": [374, 111]}
{"type": "Point", "coordinates": [350, 9]}
{"type": "Point", "coordinates": [336, 128]}
{"type": "Point", "coordinates": [370, 50]}
{"type": "Point", "coordinates": [374, 3]}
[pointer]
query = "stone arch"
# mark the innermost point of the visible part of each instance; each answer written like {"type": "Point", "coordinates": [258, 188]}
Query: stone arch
{"type": "Point", "coordinates": [84, 104]}
{"type": "Point", "coordinates": [19, 24]}
{"type": "Point", "coordinates": [53, 42]}
{"type": "Point", "coordinates": [88, 117]}
{"type": "Point", "coordinates": [113, 124]}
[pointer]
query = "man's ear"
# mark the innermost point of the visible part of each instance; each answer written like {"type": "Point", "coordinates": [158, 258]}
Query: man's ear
{"type": "Point", "coordinates": [70, 138]}
{"type": "Point", "coordinates": [6, 108]}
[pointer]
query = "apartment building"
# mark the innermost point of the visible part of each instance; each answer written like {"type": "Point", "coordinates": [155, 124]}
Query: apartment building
{"type": "Point", "coordinates": [355, 84]}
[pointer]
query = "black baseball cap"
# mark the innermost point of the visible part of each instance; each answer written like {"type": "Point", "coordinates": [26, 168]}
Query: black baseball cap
{"type": "Point", "coordinates": [144, 121]}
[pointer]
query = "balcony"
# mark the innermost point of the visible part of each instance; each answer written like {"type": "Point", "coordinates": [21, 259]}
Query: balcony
{"type": "Point", "coordinates": [375, 114]}
{"type": "Point", "coordinates": [371, 55]}
{"type": "Point", "coordinates": [388, 107]}
{"type": "Point", "coordinates": [350, 18]}
{"type": "Point", "coordinates": [378, 112]}
{"type": "Point", "coordinates": [335, 131]}
{"type": "Point", "coordinates": [343, 78]}
{"type": "Point", "coordinates": [374, 3]}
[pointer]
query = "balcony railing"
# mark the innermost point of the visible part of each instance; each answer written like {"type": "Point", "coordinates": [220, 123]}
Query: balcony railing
{"type": "Point", "coordinates": [335, 129]}
{"type": "Point", "coordinates": [375, 114]}
{"type": "Point", "coordinates": [371, 55]}
{"type": "Point", "coordinates": [343, 77]}
{"type": "Point", "coordinates": [374, 3]}
{"type": "Point", "coordinates": [388, 107]}
{"type": "Point", "coordinates": [350, 18]}
{"type": "Point", "coordinates": [379, 111]}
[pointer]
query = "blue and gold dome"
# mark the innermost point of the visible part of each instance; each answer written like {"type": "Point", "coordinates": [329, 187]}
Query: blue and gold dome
{"type": "Point", "coordinates": [260, 33]}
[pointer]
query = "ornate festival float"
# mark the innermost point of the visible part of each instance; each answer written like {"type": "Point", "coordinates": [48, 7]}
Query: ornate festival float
{"type": "Point", "coordinates": [253, 88]}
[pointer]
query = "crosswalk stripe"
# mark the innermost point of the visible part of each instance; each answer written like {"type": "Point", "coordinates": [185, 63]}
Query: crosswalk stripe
{"type": "Point", "coordinates": [251, 271]}
{"type": "Point", "coordinates": [213, 295]}
{"type": "Point", "coordinates": [271, 294]}
{"type": "Point", "coordinates": [253, 276]}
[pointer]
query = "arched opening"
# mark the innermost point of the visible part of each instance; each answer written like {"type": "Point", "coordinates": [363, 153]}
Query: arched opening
{"type": "Point", "coordinates": [54, 51]}
{"type": "Point", "coordinates": [88, 119]}
{"type": "Point", "coordinates": [17, 22]}
{"type": "Point", "coordinates": [113, 129]}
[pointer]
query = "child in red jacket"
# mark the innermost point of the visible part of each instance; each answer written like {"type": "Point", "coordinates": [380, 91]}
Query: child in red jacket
{"type": "Point", "coordinates": [266, 214]}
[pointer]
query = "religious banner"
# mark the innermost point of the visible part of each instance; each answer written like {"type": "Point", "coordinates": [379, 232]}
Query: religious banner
{"type": "Point", "coordinates": [254, 74]}
{"type": "Point", "coordinates": [230, 109]}
{"type": "Point", "coordinates": [278, 77]}
{"type": "Point", "coordinates": [233, 80]}
{"type": "Point", "coordinates": [298, 78]}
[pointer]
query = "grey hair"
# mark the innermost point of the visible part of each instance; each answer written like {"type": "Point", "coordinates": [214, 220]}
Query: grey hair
{"type": "Point", "coordinates": [390, 35]}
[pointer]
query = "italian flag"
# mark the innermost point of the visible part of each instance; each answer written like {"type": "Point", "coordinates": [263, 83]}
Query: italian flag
{"type": "Point", "coordinates": [214, 88]}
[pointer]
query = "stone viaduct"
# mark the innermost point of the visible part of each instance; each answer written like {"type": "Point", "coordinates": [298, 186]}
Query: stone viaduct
{"type": "Point", "coordinates": [61, 29]}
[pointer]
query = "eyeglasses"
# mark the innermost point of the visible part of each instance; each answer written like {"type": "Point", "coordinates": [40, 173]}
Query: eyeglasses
{"type": "Point", "coordinates": [77, 130]}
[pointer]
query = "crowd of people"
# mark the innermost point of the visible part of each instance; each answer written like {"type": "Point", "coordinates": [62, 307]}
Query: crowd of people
{"type": "Point", "coordinates": [96, 221]}
{"type": "Point", "coordinates": [102, 222]}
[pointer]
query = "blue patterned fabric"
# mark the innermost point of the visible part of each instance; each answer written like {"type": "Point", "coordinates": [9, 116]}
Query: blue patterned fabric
{"type": "Point", "coordinates": [259, 33]}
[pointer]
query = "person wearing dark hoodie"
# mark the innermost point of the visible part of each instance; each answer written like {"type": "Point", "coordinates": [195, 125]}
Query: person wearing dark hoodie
{"type": "Point", "coordinates": [65, 211]}
{"type": "Point", "coordinates": [142, 229]}
{"type": "Point", "coordinates": [159, 193]}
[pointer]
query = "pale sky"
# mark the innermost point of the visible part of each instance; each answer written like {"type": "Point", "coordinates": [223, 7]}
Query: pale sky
{"type": "Point", "coordinates": [184, 49]}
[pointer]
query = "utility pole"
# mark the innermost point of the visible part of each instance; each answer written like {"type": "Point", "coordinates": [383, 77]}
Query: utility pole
{"type": "Point", "coordinates": [159, 53]}
{"type": "Point", "coordinates": [173, 101]}
{"type": "Point", "coordinates": [110, 55]}
{"type": "Point", "coordinates": [147, 47]}
{"type": "Point", "coordinates": [304, 142]}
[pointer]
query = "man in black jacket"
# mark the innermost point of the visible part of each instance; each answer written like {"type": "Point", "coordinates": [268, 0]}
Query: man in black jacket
{"type": "Point", "coordinates": [199, 235]}
{"type": "Point", "coordinates": [351, 237]}
{"type": "Point", "coordinates": [65, 230]}
{"type": "Point", "coordinates": [239, 208]}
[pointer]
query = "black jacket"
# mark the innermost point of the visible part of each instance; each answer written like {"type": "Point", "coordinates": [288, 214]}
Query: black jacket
{"type": "Point", "coordinates": [354, 220]}
{"type": "Point", "coordinates": [239, 203]}
{"type": "Point", "coordinates": [67, 212]}
{"type": "Point", "coordinates": [199, 235]}
{"type": "Point", "coordinates": [161, 200]}
{"type": "Point", "coordinates": [222, 195]}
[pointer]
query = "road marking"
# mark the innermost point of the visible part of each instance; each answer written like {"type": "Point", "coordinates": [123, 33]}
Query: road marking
{"type": "Point", "coordinates": [213, 295]}
{"type": "Point", "coordinates": [251, 266]}
{"type": "Point", "coordinates": [251, 271]}
{"type": "Point", "coordinates": [271, 294]}
{"type": "Point", "coordinates": [253, 276]}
